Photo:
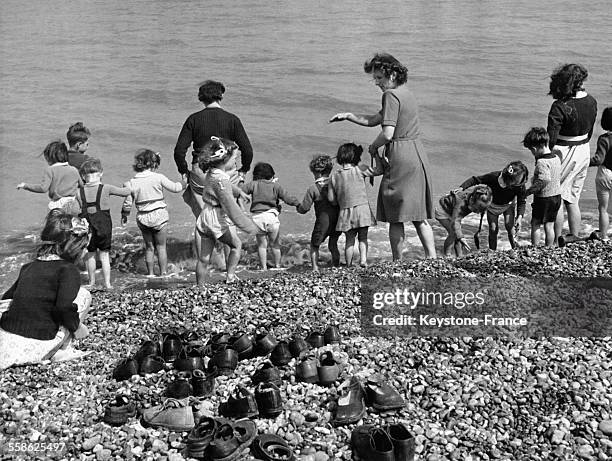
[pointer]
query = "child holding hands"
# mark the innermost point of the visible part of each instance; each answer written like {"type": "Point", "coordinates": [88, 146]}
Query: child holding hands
{"type": "Point", "coordinates": [603, 180]}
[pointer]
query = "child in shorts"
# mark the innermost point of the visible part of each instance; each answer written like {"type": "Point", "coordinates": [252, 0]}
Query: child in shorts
{"type": "Point", "coordinates": [94, 199]}
{"type": "Point", "coordinates": [603, 180]}
{"type": "Point", "coordinates": [147, 194]}
{"type": "Point", "coordinates": [546, 185]}
{"type": "Point", "coordinates": [326, 213]}
{"type": "Point", "coordinates": [455, 206]}
{"type": "Point", "coordinates": [78, 143]}
{"type": "Point", "coordinates": [266, 195]}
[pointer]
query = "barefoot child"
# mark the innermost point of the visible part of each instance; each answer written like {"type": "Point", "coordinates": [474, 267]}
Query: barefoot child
{"type": "Point", "coordinates": [94, 199]}
{"type": "Point", "coordinates": [509, 199]}
{"type": "Point", "coordinates": [220, 213]}
{"type": "Point", "coordinates": [603, 180]}
{"type": "Point", "coordinates": [546, 185]}
{"type": "Point", "coordinates": [266, 195]}
{"type": "Point", "coordinates": [347, 186]}
{"type": "Point", "coordinates": [78, 143]}
{"type": "Point", "coordinates": [326, 213]}
{"type": "Point", "coordinates": [147, 194]}
{"type": "Point", "coordinates": [455, 206]}
{"type": "Point", "coordinates": [60, 180]}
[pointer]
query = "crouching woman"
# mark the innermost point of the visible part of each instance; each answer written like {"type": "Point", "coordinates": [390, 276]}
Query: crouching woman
{"type": "Point", "coordinates": [45, 307]}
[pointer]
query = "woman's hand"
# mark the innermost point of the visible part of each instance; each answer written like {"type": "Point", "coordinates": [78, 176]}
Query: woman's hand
{"type": "Point", "coordinates": [340, 117]}
{"type": "Point", "coordinates": [464, 243]}
{"type": "Point", "coordinates": [372, 150]}
{"type": "Point", "coordinates": [81, 332]}
{"type": "Point", "coordinates": [21, 185]}
{"type": "Point", "coordinates": [517, 225]}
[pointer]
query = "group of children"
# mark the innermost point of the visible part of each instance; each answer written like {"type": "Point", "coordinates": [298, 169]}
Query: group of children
{"type": "Point", "coordinates": [73, 182]}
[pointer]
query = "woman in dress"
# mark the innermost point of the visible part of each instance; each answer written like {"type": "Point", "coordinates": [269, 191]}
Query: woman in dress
{"type": "Point", "coordinates": [406, 191]}
{"type": "Point", "coordinates": [570, 125]}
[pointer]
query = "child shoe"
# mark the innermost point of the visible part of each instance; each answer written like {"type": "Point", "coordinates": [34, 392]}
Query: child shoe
{"type": "Point", "coordinates": [218, 342]}
{"type": "Point", "coordinates": [306, 371]}
{"type": "Point", "coordinates": [189, 359]}
{"type": "Point", "coordinates": [171, 347]}
{"type": "Point", "coordinates": [271, 447]}
{"type": "Point", "coordinates": [151, 364]}
{"type": "Point", "coordinates": [281, 355]}
{"type": "Point", "coordinates": [118, 412]}
{"type": "Point", "coordinates": [402, 440]}
{"type": "Point", "coordinates": [266, 373]}
{"type": "Point", "coordinates": [243, 344]}
{"type": "Point", "coordinates": [297, 346]}
{"type": "Point", "coordinates": [332, 335]}
{"type": "Point", "coordinates": [316, 339]}
{"type": "Point", "coordinates": [180, 388]}
{"type": "Point", "coordinates": [125, 369]}
{"type": "Point", "coordinates": [381, 395]}
{"type": "Point", "coordinates": [269, 400]}
{"type": "Point", "coordinates": [203, 384]}
{"type": "Point", "coordinates": [173, 414]}
{"type": "Point", "coordinates": [242, 404]}
{"type": "Point", "coordinates": [370, 443]}
{"type": "Point", "coordinates": [147, 348]}
{"type": "Point", "coordinates": [351, 403]}
{"type": "Point", "coordinates": [264, 344]}
{"type": "Point", "coordinates": [200, 437]}
{"type": "Point", "coordinates": [328, 369]}
{"type": "Point", "coordinates": [231, 439]}
{"type": "Point", "coordinates": [224, 361]}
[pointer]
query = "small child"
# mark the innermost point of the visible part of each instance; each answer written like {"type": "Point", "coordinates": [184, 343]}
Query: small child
{"type": "Point", "coordinates": [60, 180]}
{"type": "Point", "coordinates": [508, 188]}
{"type": "Point", "coordinates": [266, 195]}
{"type": "Point", "coordinates": [326, 213]}
{"type": "Point", "coordinates": [78, 141]}
{"type": "Point", "coordinates": [147, 193]}
{"type": "Point", "coordinates": [220, 213]}
{"type": "Point", "coordinates": [546, 185]}
{"type": "Point", "coordinates": [603, 179]}
{"type": "Point", "coordinates": [455, 206]}
{"type": "Point", "coordinates": [94, 198]}
{"type": "Point", "coordinates": [347, 186]}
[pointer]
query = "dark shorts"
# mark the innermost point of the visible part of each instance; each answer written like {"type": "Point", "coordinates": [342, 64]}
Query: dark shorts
{"type": "Point", "coordinates": [101, 231]}
{"type": "Point", "coordinates": [325, 226]}
{"type": "Point", "coordinates": [544, 209]}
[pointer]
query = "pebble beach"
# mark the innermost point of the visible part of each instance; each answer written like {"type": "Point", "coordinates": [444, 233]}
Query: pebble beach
{"type": "Point", "coordinates": [466, 398]}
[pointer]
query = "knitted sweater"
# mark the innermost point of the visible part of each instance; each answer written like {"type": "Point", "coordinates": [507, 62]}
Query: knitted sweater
{"type": "Point", "coordinates": [59, 180]}
{"type": "Point", "coordinates": [603, 154]}
{"type": "Point", "coordinates": [501, 195]}
{"type": "Point", "coordinates": [148, 191]}
{"type": "Point", "coordinates": [572, 117]}
{"type": "Point", "coordinates": [266, 195]}
{"type": "Point", "coordinates": [43, 298]}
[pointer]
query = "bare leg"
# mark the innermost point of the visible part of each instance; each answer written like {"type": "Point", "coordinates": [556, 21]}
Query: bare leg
{"type": "Point", "coordinates": [274, 237]}
{"type": "Point", "coordinates": [449, 243]}
{"type": "Point", "coordinates": [314, 258]}
{"type": "Point", "coordinates": [535, 232]}
{"type": "Point", "coordinates": [558, 225]}
{"type": "Point", "coordinates": [235, 245]}
{"type": "Point", "coordinates": [603, 199]}
{"type": "Point", "coordinates": [509, 221]}
{"type": "Point", "coordinates": [549, 233]}
{"type": "Point", "coordinates": [363, 246]}
{"type": "Point", "coordinates": [573, 218]}
{"type": "Point", "coordinates": [149, 250]}
{"type": "Point", "coordinates": [207, 246]}
{"type": "Point", "coordinates": [106, 270]}
{"type": "Point", "coordinates": [493, 222]}
{"type": "Point", "coordinates": [425, 233]}
{"type": "Point", "coordinates": [159, 238]}
{"type": "Point", "coordinates": [90, 263]}
{"type": "Point", "coordinates": [396, 239]}
{"type": "Point", "coordinates": [332, 244]}
{"type": "Point", "coordinates": [349, 247]}
{"type": "Point", "coordinates": [262, 250]}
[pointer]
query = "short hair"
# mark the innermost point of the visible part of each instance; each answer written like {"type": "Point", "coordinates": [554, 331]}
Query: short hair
{"type": "Point", "coordinates": [566, 80]}
{"type": "Point", "coordinates": [537, 136]}
{"type": "Point", "coordinates": [263, 170]}
{"type": "Point", "coordinates": [387, 64]}
{"type": "Point", "coordinates": [211, 91]}
{"type": "Point", "coordinates": [481, 195]}
{"type": "Point", "coordinates": [515, 173]}
{"type": "Point", "coordinates": [321, 164]}
{"type": "Point", "coordinates": [60, 237]}
{"type": "Point", "coordinates": [55, 152]}
{"type": "Point", "coordinates": [349, 153]}
{"type": "Point", "coordinates": [89, 166]}
{"type": "Point", "coordinates": [77, 133]}
{"type": "Point", "coordinates": [146, 159]}
{"type": "Point", "coordinates": [216, 152]}
{"type": "Point", "coordinates": [606, 119]}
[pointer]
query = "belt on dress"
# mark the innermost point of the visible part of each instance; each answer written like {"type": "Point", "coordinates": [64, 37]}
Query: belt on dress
{"type": "Point", "coordinates": [582, 137]}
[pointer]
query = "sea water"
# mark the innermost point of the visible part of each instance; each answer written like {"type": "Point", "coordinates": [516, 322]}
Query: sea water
{"type": "Point", "coordinates": [130, 71]}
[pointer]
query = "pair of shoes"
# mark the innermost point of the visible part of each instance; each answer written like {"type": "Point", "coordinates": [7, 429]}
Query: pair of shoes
{"type": "Point", "coordinates": [264, 344]}
{"type": "Point", "coordinates": [243, 344]}
{"type": "Point", "coordinates": [389, 443]}
{"type": "Point", "coordinates": [271, 447]}
{"type": "Point", "coordinates": [196, 383]}
{"type": "Point", "coordinates": [281, 355]}
{"type": "Point", "coordinates": [224, 361]}
{"type": "Point", "coordinates": [325, 371]}
{"type": "Point", "coordinates": [173, 414]}
{"type": "Point", "coordinates": [298, 346]}
{"type": "Point", "coordinates": [266, 373]}
{"type": "Point", "coordinates": [230, 439]}
{"type": "Point", "coordinates": [266, 402]}
{"type": "Point", "coordinates": [118, 412]}
{"type": "Point", "coordinates": [189, 359]}
{"type": "Point", "coordinates": [330, 336]}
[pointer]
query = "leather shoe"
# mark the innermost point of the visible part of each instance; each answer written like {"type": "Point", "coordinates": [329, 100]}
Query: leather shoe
{"type": "Point", "coordinates": [266, 373]}
{"type": "Point", "coordinates": [328, 369]}
{"type": "Point", "coordinates": [297, 346]}
{"type": "Point", "coordinates": [173, 414]}
{"type": "Point", "coordinates": [125, 369]}
{"type": "Point", "coordinates": [224, 361]}
{"type": "Point", "coordinates": [217, 342]}
{"type": "Point", "coordinates": [402, 440]}
{"type": "Point", "coordinates": [230, 439]}
{"type": "Point", "coordinates": [316, 339]}
{"type": "Point", "coordinates": [189, 359]}
{"type": "Point", "coordinates": [118, 412]}
{"type": "Point", "coordinates": [242, 404]}
{"type": "Point", "coordinates": [271, 447]}
{"type": "Point", "coordinates": [332, 335]}
{"type": "Point", "coordinates": [281, 355]}
{"type": "Point", "coordinates": [370, 443]}
{"type": "Point", "coordinates": [243, 344]}
{"type": "Point", "coordinates": [264, 344]}
{"type": "Point", "coordinates": [306, 371]}
{"type": "Point", "coordinates": [147, 348]}
{"type": "Point", "coordinates": [203, 384]}
{"type": "Point", "coordinates": [269, 400]}
{"type": "Point", "coordinates": [381, 395]}
{"type": "Point", "coordinates": [151, 364]}
{"type": "Point", "coordinates": [171, 347]}
{"type": "Point", "coordinates": [180, 387]}
{"type": "Point", "coordinates": [200, 437]}
{"type": "Point", "coordinates": [351, 404]}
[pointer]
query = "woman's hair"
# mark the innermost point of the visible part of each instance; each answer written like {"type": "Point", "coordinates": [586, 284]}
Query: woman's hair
{"type": "Point", "coordinates": [89, 166]}
{"type": "Point", "coordinates": [211, 91]}
{"type": "Point", "coordinates": [146, 159]}
{"type": "Point", "coordinates": [537, 136]}
{"type": "Point", "coordinates": [606, 119]}
{"type": "Point", "coordinates": [55, 151]}
{"type": "Point", "coordinates": [349, 153]}
{"type": "Point", "coordinates": [515, 174]}
{"type": "Point", "coordinates": [263, 170]}
{"type": "Point", "coordinates": [566, 80]}
{"type": "Point", "coordinates": [216, 152]}
{"type": "Point", "coordinates": [480, 198]}
{"type": "Point", "coordinates": [387, 64]}
{"type": "Point", "coordinates": [77, 133]}
{"type": "Point", "coordinates": [321, 164]}
{"type": "Point", "coordinates": [64, 236]}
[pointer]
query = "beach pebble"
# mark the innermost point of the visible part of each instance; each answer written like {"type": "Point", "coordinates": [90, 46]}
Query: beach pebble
{"type": "Point", "coordinates": [606, 427]}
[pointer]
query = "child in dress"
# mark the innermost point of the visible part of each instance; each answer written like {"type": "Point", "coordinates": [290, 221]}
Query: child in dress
{"type": "Point", "coordinates": [266, 195]}
{"type": "Point", "coordinates": [60, 180]}
{"type": "Point", "coordinates": [47, 305]}
{"type": "Point", "coordinates": [509, 199]}
{"type": "Point", "coordinates": [78, 142]}
{"type": "Point", "coordinates": [546, 185]}
{"type": "Point", "coordinates": [94, 199]}
{"type": "Point", "coordinates": [326, 213]}
{"type": "Point", "coordinates": [347, 186]}
{"type": "Point", "coordinates": [455, 206]}
{"type": "Point", "coordinates": [147, 194]}
{"type": "Point", "coordinates": [220, 213]}
{"type": "Point", "coordinates": [603, 180]}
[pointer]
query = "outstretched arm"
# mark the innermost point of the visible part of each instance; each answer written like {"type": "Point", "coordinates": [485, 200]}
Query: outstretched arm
{"type": "Point", "coordinates": [359, 119]}
{"type": "Point", "coordinates": [223, 192]}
